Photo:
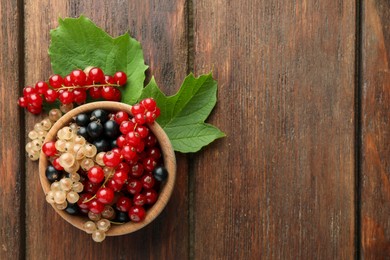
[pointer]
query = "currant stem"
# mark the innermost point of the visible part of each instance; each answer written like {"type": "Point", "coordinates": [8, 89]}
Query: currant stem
{"type": "Point", "coordinates": [86, 86]}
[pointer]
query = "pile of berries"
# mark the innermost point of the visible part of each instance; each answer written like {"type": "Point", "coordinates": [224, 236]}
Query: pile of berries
{"type": "Point", "coordinates": [112, 161]}
{"type": "Point", "coordinates": [73, 88]}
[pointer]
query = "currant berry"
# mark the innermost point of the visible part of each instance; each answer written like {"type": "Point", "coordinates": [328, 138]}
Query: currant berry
{"type": "Point", "coordinates": [78, 77]}
{"type": "Point", "coordinates": [68, 81]}
{"type": "Point", "coordinates": [41, 87]}
{"type": "Point", "coordinates": [95, 92]}
{"type": "Point", "coordinates": [111, 159]}
{"type": "Point", "coordinates": [91, 187]}
{"type": "Point", "coordinates": [139, 200]}
{"type": "Point", "coordinates": [35, 100]}
{"type": "Point", "coordinates": [137, 109]}
{"type": "Point", "coordinates": [49, 149]}
{"type": "Point", "coordinates": [137, 170]}
{"type": "Point", "coordinates": [154, 152]}
{"type": "Point", "coordinates": [95, 206]}
{"type": "Point", "coordinates": [84, 200]}
{"type": "Point", "coordinates": [126, 127]}
{"type": "Point", "coordinates": [105, 195]}
{"type": "Point", "coordinates": [82, 119]}
{"type": "Point", "coordinates": [121, 141]}
{"type": "Point", "coordinates": [149, 163]}
{"type": "Point", "coordinates": [148, 181]}
{"type": "Point", "coordinates": [140, 119]}
{"type": "Point", "coordinates": [128, 152]}
{"type": "Point", "coordinates": [66, 97]}
{"type": "Point", "coordinates": [120, 78]}
{"type": "Point", "coordinates": [56, 81]}
{"type": "Point", "coordinates": [52, 174]}
{"type": "Point", "coordinates": [22, 101]}
{"type": "Point", "coordinates": [111, 129]}
{"type": "Point", "coordinates": [102, 145]}
{"type": "Point", "coordinates": [120, 176]}
{"type": "Point", "coordinates": [137, 213]}
{"type": "Point", "coordinates": [96, 174]}
{"type": "Point", "coordinates": [134, 186]}
{"type": "Point", "coordinates": [94, 129]}
{"type": "Point", "coordinates": [112, 184]}
{"type": "Point", "coordinates": [50, 95]}
{"type": "Point", "coordinates": [123, 167]}
{"type": "Point", "coordinates": [160, 173]}
{"type": "Point", "coordinates": [99, 114]}
{"type": "Point", "coordinates": [123, 204]}
{"type": "Point", "coordinates": [142, 130]}
{"type": "Point", "coordinates": [80, 96]}
{"type": "Point", "coordinates": [122, 217]}
{"type": "Point", "coordinates": [121, 116]}
{"type": "Point", "coordinates": [56, 164]}
{"type": "Point", "coordinates": [96, 75]}
{"type": "Point", "coordinates": [151, 196]}
{"type": "Point", "coordinates": [110, 93]}
{"type": "Point", "coordinates": [149, 104]}
{"type": "Point", "coordinates": [151, 140]}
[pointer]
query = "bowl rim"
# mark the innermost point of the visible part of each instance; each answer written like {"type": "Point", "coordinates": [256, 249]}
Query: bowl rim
{"type": "Point", "coordinates": [169, 163]}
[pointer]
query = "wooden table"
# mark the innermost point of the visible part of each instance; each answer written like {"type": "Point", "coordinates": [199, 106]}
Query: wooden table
{"type": "Point", "coordinates": [304, 98]}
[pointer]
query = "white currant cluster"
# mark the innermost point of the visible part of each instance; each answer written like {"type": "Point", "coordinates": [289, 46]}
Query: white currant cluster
{"type": "Point", "coordinates": [65, 191]}
{"type": "Point", "coordinates": [38, 135]}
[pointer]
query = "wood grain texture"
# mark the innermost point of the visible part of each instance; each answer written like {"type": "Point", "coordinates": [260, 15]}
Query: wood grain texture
{"type": "Point", "coordinates": [161, 28]}
{"type": "Point", "coordinates": [11, 209]}
{"type": "Point", "coordinates": [375, 167]}
{"type": "Point", "coordinates": [281, 184]}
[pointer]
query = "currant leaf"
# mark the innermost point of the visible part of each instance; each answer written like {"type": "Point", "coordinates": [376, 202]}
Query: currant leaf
{"type": "Point", "coordinates": [183, 114]}
{"type": "Point", "coordinates": [78, 43]}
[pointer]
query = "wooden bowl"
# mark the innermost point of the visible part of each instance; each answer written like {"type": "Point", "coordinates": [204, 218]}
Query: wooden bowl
{"type": "Point", "coordinates": [169, 163]}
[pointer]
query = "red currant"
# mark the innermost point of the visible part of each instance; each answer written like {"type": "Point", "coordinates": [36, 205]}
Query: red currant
{"type": "Point", "coordinates": [154, 152]}
{"type": "Point", "coordinates": [148, 181]}
{"type": "Point", "coordinates": [120, 176]}
{"type": "Point", "coordinates": [80, 96]}
{"type": "Point", "coordinates": [149, 163]}
{"type": "Point", "coordinates": [82, 200]}
{"type": "Point", "coordinates": [96, 174]}
{"type": "Point", "coordinates": [33, 109]}
{"type": "Point", "coordinates": [123, 167]}
{"type": "Point", "coordinates": [96, 75]}
{"type": "Point", "coordinates": [111, 159]}
{"type": "Point", "coordinates": [129, 152]}
{"type": "Point", "coordinates": [91, 187]}
{"type": "Point", "coordinates": [112, 184]}
{"type": "Point", "coordinates": [108, 93]}
{"type": "Point", "coordinates": [137, 213]}
{"type": "Point", "coordinates": [139, 199]}
{"type": "Point", "coordinates": [50, 95]}
{"type": "Point", "coordinates": [41, 87]}
{"type": "Point", "coordinates": [66, 97]}
{"type": "Point", "coordinates": [96, 206]}
{"type": "Point", "coordinates": [49, 148]}
{"type": "Point", "coordinates": [120, 78]}
{"type": "Point", "coordinates": [137, 170]}
{"type": "Point", "coordinates": [142, 130]}
{"type": "Point", "coordinates": [78, 77]}
{"type": "Point", "coordinates": [126, 127]}
{"type": "Point", "coordinates": [68, 81]}
{"type": "Point", "coordinates": [150, 140]}
{"type": "Point", "coordinates": [28, 91]}
{"type": "Point", "coordinates": [121, 116]}
{"type": "Point", "coordinates": [121, 141]}
{"type": "Point", "coordinates": [95, 92]}
{"type": "Point", "coordinates": [35, 99]}
{"type": "Point", "coordinates": [134, 186]}
{"type": "Point", "coordinates": [149, 104]}
{"type": "Point", "coordinates": [56, 164]}
{"type": "Point", "coordinates": [137, 109]}
{"type": "Point", "coordinates": [22, 101]}
{"type": "Point", "coordinates": [140, 119]}
{"type": "Point", "coordinates": [123, 204]}
{"type": "Point", "coordinates": [109, 79]}
{"type": "Point", "coordinates": [133, 138]}
{"type": "Point", "coordinates": [151, 196]}
{"type": "Point", "coordinates": [105, 195]}
{"type": "Point", "coordinates": [56, 81]}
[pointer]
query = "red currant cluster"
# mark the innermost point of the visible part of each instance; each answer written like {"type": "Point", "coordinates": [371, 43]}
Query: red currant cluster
{"type": "Point", "coordinates": [73, 88]}
{"type": "Point", "coordinates": [116, 160]}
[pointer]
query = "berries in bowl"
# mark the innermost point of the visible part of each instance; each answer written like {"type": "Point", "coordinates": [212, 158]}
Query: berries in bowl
{"type": "Point", "coordinates": [107, 168]}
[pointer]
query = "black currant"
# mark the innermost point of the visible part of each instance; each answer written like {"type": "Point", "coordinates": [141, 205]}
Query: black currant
{"type": "Point", "coordinates": [102, 145]}
{"type": "Point", "coordinates": [111, 129]}
{"type": "Point", "coordinates": [160, 173]}
{"type": "Point", "coordinates": [83, 132]}
{"type": "Point", "coordinates": [121, 216]}
{"type": "Point", "coordinates": [113, 143]}
{"type": "Point", "coordinates": [99, 114]}
{"type": "Point", "coordinates": [52, 174]}
{"type": "Point", "coordinates": [72, 209]}
{"type": "Point", "coordinates": [82, 120]}
{"type": "Point", "coordinates": [94, 129]}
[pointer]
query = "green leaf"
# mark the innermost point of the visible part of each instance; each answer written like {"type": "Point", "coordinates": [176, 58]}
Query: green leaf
{"type": "Point", "coordinates": [183, 114]}
{"type": "Point", "coordinates": [79, 43]}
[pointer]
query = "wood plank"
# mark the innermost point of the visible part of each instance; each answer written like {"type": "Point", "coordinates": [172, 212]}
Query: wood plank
{"type": "Point", "coordinates": [161, 28]}
{"type": "Point", "coordinates": [12, 170]}
{"type": "Point", "coordinates": [375, 152]}
{"type": "Point", "coordinates": [281, 184]}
